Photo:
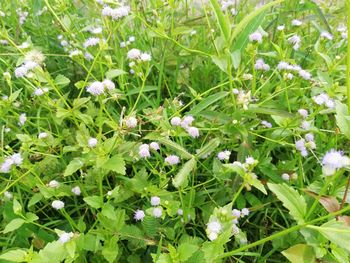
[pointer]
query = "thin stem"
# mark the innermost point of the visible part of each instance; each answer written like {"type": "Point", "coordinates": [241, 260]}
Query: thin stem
{"type": "Point", "coordinates": [345, 194]}
{"type": "Point", "coordinates": [348, 57]}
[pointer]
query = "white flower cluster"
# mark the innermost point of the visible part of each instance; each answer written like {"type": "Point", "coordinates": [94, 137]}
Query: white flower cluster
{"type": "Point", "coordinates": [139, 215]}
{"type": "Point", "coordinates": [144, 149]}
{"type": "Point", "coordinates": [22, 119]}
{"type": "Point", "coordinates": [224, 155]}
{"type": "Point", "coordinates": [308, 142]}
{"type": "Point", "coordinates": [266, 124]}
{"type": "Point", "coordinates": [326, 35]}
{"type": "Point", "coordinates": [116, 13]}
{"type": "Point", "coordinates": [130, 122]}
{"type": "Point", "coordinates": [57, 204]}
{"type": "Point", "coordinates": [342, 29]}
{"type": "Point", "coordinates": [136, 54]}
{"type": "Point", "coordinates": [261, 65]}
{"type": "Point", "coordinates": [295, 41]}
{"type": "Point", "coordinates": [40, 91]}
{"type": "Point", "coordinates": [65, 237]}
{"type": "Point", "coordinates": [296, 22]}
{"type": "Point", "coordinates": [92, 142]}
{"type": "Point", "coordinates": [242, 98]}
{"type": "Point", "coordinates": [186, 123]}
{"type": "Point", "coordinates": [22, 15]}
{"type": "Point", "coordinates": [128, 42]}
{"type": "Point", "coordinates": [32, 60]}
{"type": "Point", "coordinates": [323, 99]}
{"type": "Point", "coordinates": [98, 88]}
{"type": "Point", "coordinates": [14, 159]}
{"type": "Point", "coordinates": [282, 65]}
{"type": "Point", "coordinates": [333, 161]}
{"type": "Point", "coordinates": [256, 37]}
{"type": "Point", "coordinates": [213, 229]}
{"type": "Point", "coordinates": [91, 42]}
{"type": "Point", "coordinates": [172, 160]}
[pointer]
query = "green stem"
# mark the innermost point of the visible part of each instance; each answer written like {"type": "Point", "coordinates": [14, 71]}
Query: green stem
{"type": "Point", "coordinates": [348, 57]}
{"type": "Point", "coordinates": [282, 233]}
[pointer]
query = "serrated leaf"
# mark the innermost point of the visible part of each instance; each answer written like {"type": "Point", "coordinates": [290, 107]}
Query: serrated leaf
{"type": "Point", "coordinates": [291, 200]}
{"type": "Point", "coordinates": [62, 81]}
{"type": "Point", "coordinates": [181, 178]}
{"type": "Point", "coordinates": [73, 166]}
{"type": "Point", "coordinates": [110, 249]}
{"type": "Point", "coordinates": [186, 250]}
{"type": "Point", "coordinates": [94, 201]}
{"type": "Point", "coordinates": [300, 253]}
{"type": "Point", "coordinates": [16, 255]}
{"type": "Point", "coordinates": [116, 164]}
{"type": "Point", "coordinates": [13, 225]}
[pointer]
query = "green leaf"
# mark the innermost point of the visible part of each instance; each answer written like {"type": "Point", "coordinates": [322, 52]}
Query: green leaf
{"type": "Point", "coordinates": [186, 250]}
{"type": "Point", "coordinates": [208, 148]}
{"type": "Point", "coordinates": [270, 111]}
{"type": "Point", "coordinates": [73, 166]}
{"type": "Point", "coordinates": [335, 231]}
{"type": "Point", "coordinates": [13, 225]}
{"type": "Point", "coordinates": [343, 119]}
{"type": "Point", "coordinates": [244, 22]}
{"type": "Point", "coordinates": [17, 207]}
{"type": "Point", "coordinates": [110, 249]}
{"type": "Point", "coordinates": [111, 74]}
{"type": "Point", "coordinates": [61, 81]}
{"type": "Point", "coordinates": [16, 255]}
{"type": "Point", "coordinates": [172, 145]}
{"type": "Point", "coordinates": [236, 58]}
{"type": "Point", "coordinates": [181, 178]}
{"type": "Point", "coordinates": [35, 199]}
{"type": "Point", "coordinates": [224, 23]}
{"type": "Point", "coordinates": [235, 167]}
{"type": "Point", "coordinates": [204, 104]}
{"type": "Point", "coordinates": [300, 253]}
{"type": "Point", "coordinates": [291, 199]}
{"type": "Point", "coordinates": [116, 164]}
{"type": "Point", "coordinates": [94, 201]}
{"type": "Point", "coordinates": [108, 211]}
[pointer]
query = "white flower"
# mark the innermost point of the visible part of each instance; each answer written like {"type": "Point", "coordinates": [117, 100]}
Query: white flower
{"type": "Point", "coordinates": [157, 212]}
{"type": "Point", "coordinates": [236, 213]}
{"type": "Point", "coordinates": [131, 122]}
{"type": "Point", "coordinates": [224, 155]}
{"type": "Point", "coordinates": [285, 176]}
{"type": "Point", "coordinates": [247, 76]}
{"type": "Point", "coordinates": [108, 84]}
{"type": "Point", "coordinates": [320, 99]}
{"type": "Point", "coordinates": [6, 165]}
{"type": "Point", "coordinates": [250, 160]}
{"type": "Point", "coordinates": [187, 121]}
{"type": "Point", "coordinates": [193, 132]}
{"type": "Point", "coordinates": [75, 52]}
{"type": "Point", "coordinates": [17, 159]}
{"type": "Point", "coordinates": [256, 37]}
{"type": "Point", "coordinates": [22, 119]}
{"type": "Point", "coordinates": [175, 121]}
{"type": "Point", "coordinates": [120, 12]}
{"type": "Point", "coordinates": [145, 57]}
{"type": "Point", "coordinates": [261, 65]}
{"type": "Point", "coordinates": [65, 237]}
{"type": "Point", "coordinates": [54, 184]}
{"type": "Point", "coordinates": [305, 125]}
{"type": "Point", "coordinates": [154, 146]}
{"type": "Point", "coordinates": [96, 88]}
{"type": "Point", "coordinates": [304, 74]}
{"type": "Point", "coordinates": [92, 142]}
{"type": "Point", "coordinates": [57, 204]}
{"type": "Point", "coordinates": [21, 71]}
{"type": "Point", "coordinates": [132, 39]}
{"type": "Point", "coordinates": [107, 11]}
{"type": "Point", "coordinates": [266, 124]}
{"type": "Point", "coordinates": [235, 230]}
{"type": "Point", "coordinates": [8, 195]}
{"type": "Point", "coordinates": [42, 135]}
{"type": "Point", "coordinates": [212, 236]}
{"type": "Point", "coordinates": [30, 65]}
{"type": "Point", "coordinates": [332, 161]}
{"type": "Point", "coordinates": [97, 30]}
{"type": "Point", "coordinates": [309, 137]}
{"type": "Point", "coordinates": [144, 151]}
{"type": "Point", "coordinates": [134, 53]}
{"type": "Point", "coordinates": [180, 212]}
{"type": "Point", "coordinates": [300, 146]}
{"type": "Point", "coordinates": [296, 22]}
{"type": "Point", "coordinates": [40, 91]}
{"type": "Point", "coordinates": [88, 56]}
{"type": "Point", "coordinates": [172, 160]}
{"type": "Point", "coordinates": [341, 28]}
{"type": "Point", "coordinates": [245, 212]}
{"type": "Point", "coordinates": [214, 227]}
{"type": "Point", "coordinates": [295, 40]}
{"type": "Point", "coordinates": [303, 113]}
{"type": "Point", "coordinates": [122, 44]}
{"type": "Point", "coordinates": [282, 65]}
{"type": "Point", "coordinates": [92, 41]}
{"type": "Point", "coordinates": [327, 35]}
{"type": "Point", "coordinates": [139, 215]}
{"type": "Point", "coordinates": [280, 27]}
{"type": "Point", "coordinates": [330, 104]}
{"type": "Point", "coordinates": [76, 190]}
{"type": "Point", "coordinates": [289, 76]}
{"type": "Point", "coordinates": [155, 201]}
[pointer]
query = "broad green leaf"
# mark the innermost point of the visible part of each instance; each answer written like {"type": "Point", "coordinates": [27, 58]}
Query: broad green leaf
{"type": "Point", "coordinates": [16, 255]}
{"type": "Point", "coordinates": [13, 225]}
{"type": "Point", "coordinates": [258, 185]}
{"type": "Point", "coordinates": [172, 145]}
{"type": "Point", "coordinates": [343, 118]}
{"type": "Point", "coordinates": [221, 62]}
{"type": "Point", "coordinates": [242, 25]}
{"type": "Point", "coordinates": [208, 148]}
{"type": "Point", "coordinates": [236, 58]}
{"type": "Point", "coordinates": [110, 249]}
{"type": "Point", "coordinates": [94, 201]}
{"type": "Point", "coordinates": [111, 74]}
{"type": "Point", "coordinates": [223, 21]}
{"type": "Point", "coordinates": [300, 253]}
{"type": "Point", "coordinates": [235, 167]}
{"type": "Point", "coordinates": [73, 166]}
{"type": "Point", "coordinates": [71, 247]}
{"type": "Point", "coordinates": [204, 104]}
{"type": "Point", "coordinates": [17, 207]}
{"type": "Point", "coordinates": [116, 163]}
{"type": "Point", "coordinates": [35, 199]}
{"type": "Point", "coordinates": [291, 200]}
{"type": "Point", "coordinates": [181, 178]}
{"type": "Point", "coordinates": [270, 111]}
{"type": "Point", "coordinates": [61, 81]}
{"type": "Point", "coordinates": [337, 232]}
{"type": "Point", "coordinates": [108, 211]}
{"type": "Point", "coordinates": [185, 251]}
